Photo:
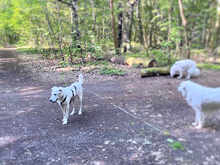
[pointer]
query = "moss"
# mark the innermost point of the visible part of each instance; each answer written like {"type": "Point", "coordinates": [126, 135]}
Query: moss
{"type": "Point", "coordinates": [155, 71]}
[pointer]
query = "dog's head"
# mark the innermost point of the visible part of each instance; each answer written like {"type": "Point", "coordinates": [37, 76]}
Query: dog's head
{"type": "Point", "coordinates": [56, 94]}
{"type": "Point", "coordinates": [183, 88]}
{"type": "Point", "coordinates": [172, 71]}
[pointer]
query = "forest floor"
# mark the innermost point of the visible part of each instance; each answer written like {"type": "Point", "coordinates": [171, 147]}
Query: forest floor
{"type": "Point", "coordinates": [126, 119]}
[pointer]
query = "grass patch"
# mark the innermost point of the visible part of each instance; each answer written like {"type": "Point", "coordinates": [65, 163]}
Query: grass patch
{"type": "Point", "coordinates": [112, 71]}
{"type": "Point", "coordinates": [175, 144]}
{"type": "Point", "coordinates": [99, 62]}
{"type": "Point", "coordinates": [209, 66]}
{"type": "Point", "coordinates": [28, 50]}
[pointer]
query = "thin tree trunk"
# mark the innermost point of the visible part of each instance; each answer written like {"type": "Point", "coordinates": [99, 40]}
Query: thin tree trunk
{"type": "Point", "coordinates": [169, 33]}
{"type": "Point", "coordinates": [127, 26]}
{"type": "Point", "coordinates": [120, 23]}
{"type": "Point", "coordinates": [75, 21]}
{"type": "Point", "coordinates": [131, 21]}
{"type": "Point", "coordinates": [50, 27]}
{"type": "Point", "coordinates": [93, 16]}
{"type": "Point", "coordinates": [184, 23]}
{"type": "Point", "coordinates": [216, 37]}
{"type": "Point", "coordinates": [111, 3]}
{"type": "Point", "coordinates": [140, 26]}
{"type": "Point", "coordinates": [60, 38]}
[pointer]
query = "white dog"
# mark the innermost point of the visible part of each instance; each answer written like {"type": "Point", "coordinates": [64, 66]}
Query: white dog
{"type": "Point", "coordinates": [203, 100]}
{"type": "Point", "coordinates": [65, 95]}
{"type": "Point", "coordinates": [182, 67]}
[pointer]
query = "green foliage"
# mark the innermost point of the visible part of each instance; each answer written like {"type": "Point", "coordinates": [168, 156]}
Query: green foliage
{"type": "Point", "coordinates": [41, 24]}
{"type": "Point", "coordinates": [112, 71]}
{"type": "Point", "coordinates": [98, 62]}
{"type": "Point", "coordinates": [28, 50]}
{"type": "Point", "coordinates": [176, 145]}
{"type": "Point", "coordinates": [161, 57]}
{"type": "Point", "coordinates": [209, 66]}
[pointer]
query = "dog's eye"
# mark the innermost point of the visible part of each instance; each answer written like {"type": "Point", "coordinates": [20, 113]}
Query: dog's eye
{"type": "Point", "coordinates": [54, 94]}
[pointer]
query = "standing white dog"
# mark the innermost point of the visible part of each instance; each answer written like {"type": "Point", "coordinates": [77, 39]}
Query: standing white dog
{"type": "Point", "coordinates": [187, 67]}
{"type": "Point", "coordinates": [63, 96]}
{"type": "Point", "coordinates": [203, 100]}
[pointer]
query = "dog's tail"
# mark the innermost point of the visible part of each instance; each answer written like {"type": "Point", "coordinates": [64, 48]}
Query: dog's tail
{"type": "Point", "coordinates": [81, 78]}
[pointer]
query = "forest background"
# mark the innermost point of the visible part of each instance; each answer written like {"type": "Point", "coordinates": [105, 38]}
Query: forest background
{"type": "Point", "coordinates": [75, 30]}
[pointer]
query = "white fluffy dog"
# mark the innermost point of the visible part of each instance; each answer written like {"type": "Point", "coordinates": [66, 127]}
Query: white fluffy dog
{"type": "Point", "coordinates": [203, 100]}
{"type": "Point", "coordinates": [65, 95]}
{"type": "Point", "coordinates": [187, 67]}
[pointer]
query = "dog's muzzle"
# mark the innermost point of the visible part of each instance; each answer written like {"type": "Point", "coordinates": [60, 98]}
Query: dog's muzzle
{"type": "Point", "coordinates": [52, 101]}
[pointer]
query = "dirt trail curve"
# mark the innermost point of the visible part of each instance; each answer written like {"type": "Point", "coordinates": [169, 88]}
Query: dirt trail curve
{"type": "Point", "coordinates": [31, 131]}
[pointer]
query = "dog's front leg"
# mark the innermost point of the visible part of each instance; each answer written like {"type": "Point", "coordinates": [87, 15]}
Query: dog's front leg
{"type": "Point", "coordinates": [180, 74]}
{"type": "Point", "coordinates": [188, 75]}
{"type": "Point", "coordinates": [66, 116]}
{"type": "Point", "coordinates": [197, 113]}
{"type": "Point", "coordinates": [63, 109]}
{"type": "Point", "coordinates": [199, 120]}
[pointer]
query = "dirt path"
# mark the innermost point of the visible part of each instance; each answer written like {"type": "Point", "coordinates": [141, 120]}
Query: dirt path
{"type": "Point", "coordinates": [114, 129]}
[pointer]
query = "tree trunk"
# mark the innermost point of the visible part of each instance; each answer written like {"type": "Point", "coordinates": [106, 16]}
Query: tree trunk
{"type": "Point", "coordinates": [184, 23]}
{"type": "Point", "coordinates": [216, 34]}
{"type": "Point", "coordinates": [75, 21]}
{"type": "Point", "coordinates": [50, 27]}
{"type": "Point", "coordinates": [140, 26]}
{"type": "Point", "coordinates": [128, 23]}
{"type": "Point", "coordinates": [60, 38]}
{"type": "Point", "coordinates": [131, 21]}
{"type": "Point", "coordinates": [120, 23]}
{"type": "Point", "coordinates": [111, 4]}
{"type": "Point", "coordinates": [93, 16]}
{"type": "Point", "coordinates": [169, 33]}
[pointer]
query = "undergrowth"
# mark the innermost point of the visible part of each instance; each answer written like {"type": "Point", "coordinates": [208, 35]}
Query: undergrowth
{"type": "Point", "coordinates": [209, 66]}
{"type": "Point", "coordinates": [112, 71]}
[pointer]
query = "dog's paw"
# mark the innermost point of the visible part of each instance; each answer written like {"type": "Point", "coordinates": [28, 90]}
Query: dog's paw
{"type": "Point", "coordinates": [64, 122]}
{"type": "Point", "coordinates": [72, 113]}
{"type": "Point", "coordinates": [199, 126]}
{"type": "Point", "coordinates": [194, 123]}
{"type": "Point", "coordinates": [80, 113]}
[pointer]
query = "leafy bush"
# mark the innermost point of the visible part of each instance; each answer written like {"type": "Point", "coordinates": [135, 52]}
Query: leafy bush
{"type": "Point", "coordinates": [161, 57]}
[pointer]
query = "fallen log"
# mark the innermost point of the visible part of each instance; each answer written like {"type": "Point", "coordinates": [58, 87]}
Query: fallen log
{"type": "Point", "coordinates": [137, 62]}
{"type": "Point", "coordinates": [155, 71]}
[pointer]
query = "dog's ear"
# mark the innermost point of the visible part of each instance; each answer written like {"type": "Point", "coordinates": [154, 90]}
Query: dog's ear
{"type": "Point", "coordinates": [53, 88]}
{"type": "Point", "coordinates": [60, 90]}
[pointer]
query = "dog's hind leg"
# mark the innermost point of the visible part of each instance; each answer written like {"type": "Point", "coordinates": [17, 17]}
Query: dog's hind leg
{"type": "Point", "coordinates": [80, 100]}
{"type": "Point", "coordinates": [73, 111]}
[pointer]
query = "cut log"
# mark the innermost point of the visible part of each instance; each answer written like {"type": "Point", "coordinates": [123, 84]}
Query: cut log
{"type": "Point", "coordinates": [155, 71]}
